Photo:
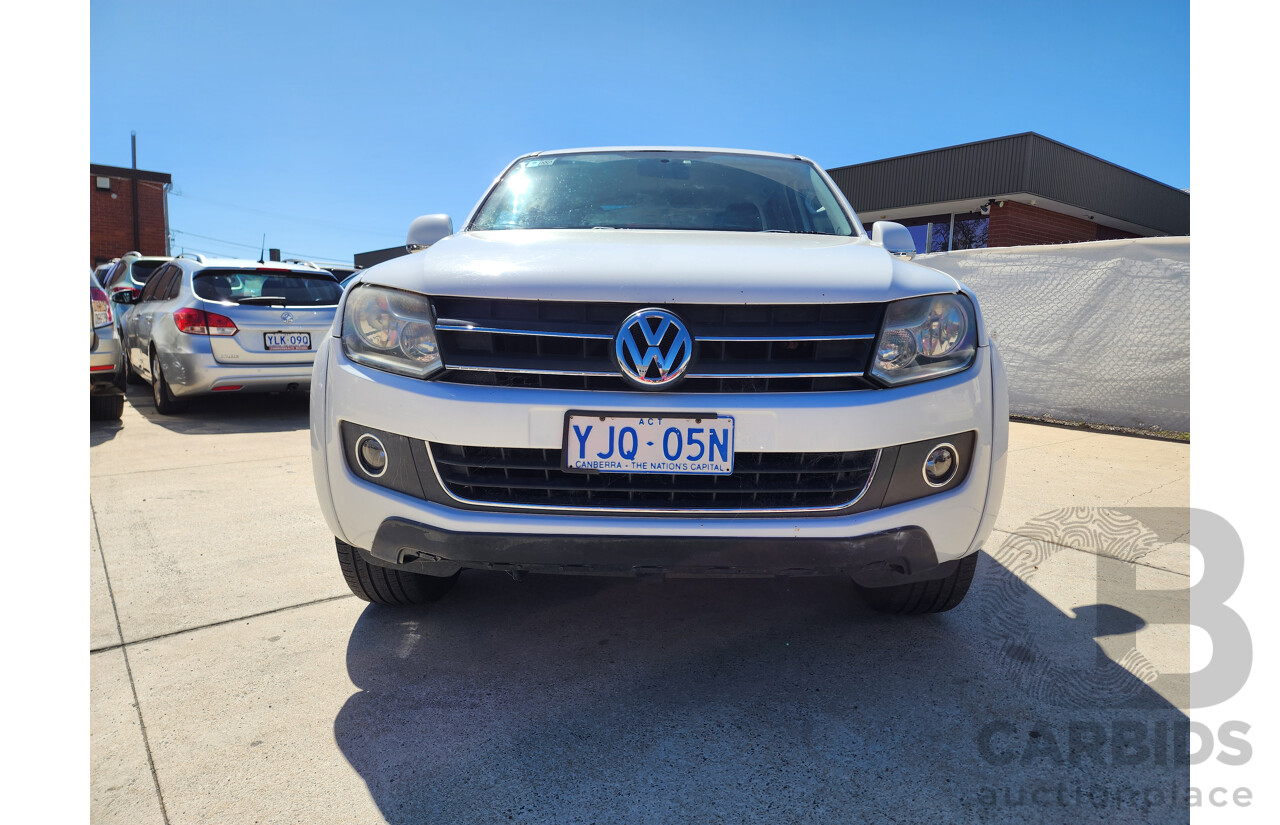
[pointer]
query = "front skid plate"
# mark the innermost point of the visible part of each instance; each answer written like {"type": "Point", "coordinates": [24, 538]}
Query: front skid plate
{"type": "Point", "coordinates": [877, 559]}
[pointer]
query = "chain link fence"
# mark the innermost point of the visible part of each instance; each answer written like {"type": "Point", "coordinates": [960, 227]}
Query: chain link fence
{"type": "Point", "coordinates": [1097, 333]}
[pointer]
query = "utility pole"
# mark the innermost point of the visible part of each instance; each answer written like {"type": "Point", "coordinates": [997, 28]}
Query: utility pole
{"type": "Point", "coordinates": [137, 238]}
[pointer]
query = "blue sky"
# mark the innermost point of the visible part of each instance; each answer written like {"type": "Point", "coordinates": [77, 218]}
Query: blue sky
{"type": "Point", "coordinates": [330, 126]}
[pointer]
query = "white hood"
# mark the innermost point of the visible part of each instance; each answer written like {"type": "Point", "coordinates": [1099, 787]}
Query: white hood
{"type": "Point", "coordinates": [659, 266]}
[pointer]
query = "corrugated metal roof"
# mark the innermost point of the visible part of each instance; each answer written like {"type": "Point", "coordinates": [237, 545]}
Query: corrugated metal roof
{"type": "Point", "coordinates": [1029, 163]}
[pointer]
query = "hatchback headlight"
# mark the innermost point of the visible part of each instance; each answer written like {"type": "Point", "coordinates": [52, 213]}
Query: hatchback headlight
{"type": "Point", "coordinates": [390, 330]}
{"type": "Point", "coordinates": [926, 338]}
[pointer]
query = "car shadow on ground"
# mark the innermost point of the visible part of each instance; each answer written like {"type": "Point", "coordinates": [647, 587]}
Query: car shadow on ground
{"type": "Point", "coordinates": [228, 413]}
{"type": "Point", "coordinates": [575, 699]}
{"type": "Point", "coordinates": [100, 432]}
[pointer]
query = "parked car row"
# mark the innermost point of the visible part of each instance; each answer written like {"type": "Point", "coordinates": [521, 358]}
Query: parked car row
{"type": "Point", "coordinates": [200, 326]}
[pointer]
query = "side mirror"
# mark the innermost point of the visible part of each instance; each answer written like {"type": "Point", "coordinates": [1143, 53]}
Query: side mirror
{"type": "Point", "coordinates": [124, 296]}
{"type": "Point", "coordinates": [895, 238]}
{"type": "Point", "coordinates": [428, 229]}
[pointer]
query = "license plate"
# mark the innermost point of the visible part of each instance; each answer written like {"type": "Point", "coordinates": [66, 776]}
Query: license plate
{"type": "Point", "coordinates": [288, 340]}
{"type": "Point", "coordinates": [700, 444]}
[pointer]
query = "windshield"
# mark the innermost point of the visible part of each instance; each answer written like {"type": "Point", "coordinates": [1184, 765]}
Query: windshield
{"type": "Point", "coordinates": [279, 287]}
{"type": "Point", "coordinates": [664, 190]}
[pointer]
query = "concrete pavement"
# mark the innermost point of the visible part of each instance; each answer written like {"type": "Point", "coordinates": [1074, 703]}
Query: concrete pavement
{"type": "Point", "coordinates": [234, 679]}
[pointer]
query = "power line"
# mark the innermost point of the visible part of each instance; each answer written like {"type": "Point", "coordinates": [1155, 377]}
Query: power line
{"type": "Point", "coordinates": [219, 240]}
{"type": "Point", "coordinates": [325, 224]}
{"type": "Point", "coordinates": [258, 248]}
{"type": "Point", "coordinates": [212, 253]}
{"type": "Point", "coordinates": [302, 256]}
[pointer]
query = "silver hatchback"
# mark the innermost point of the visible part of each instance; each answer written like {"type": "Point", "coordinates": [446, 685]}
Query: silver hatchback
{"type": "Point", "coordinates": [214, 326]}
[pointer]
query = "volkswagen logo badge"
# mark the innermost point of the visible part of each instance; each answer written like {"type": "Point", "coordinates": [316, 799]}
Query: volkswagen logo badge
{"type": "Point", "coordinates": [653, 348]}
{"type": "Point", "coordinates": [287, 317]}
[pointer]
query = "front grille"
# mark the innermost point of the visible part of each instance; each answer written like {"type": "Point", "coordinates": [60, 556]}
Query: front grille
{"type": "Point", "coordinates": [738, 348]}
{"type": "Point", "coordinates": [760, 481]}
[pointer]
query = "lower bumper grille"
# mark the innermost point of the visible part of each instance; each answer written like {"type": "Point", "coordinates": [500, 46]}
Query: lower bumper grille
{"type": "Point", "coordinates": [760, 482]}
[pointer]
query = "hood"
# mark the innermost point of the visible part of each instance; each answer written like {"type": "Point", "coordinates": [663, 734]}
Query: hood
{"type": "Point", "coordinates": [659, 266]}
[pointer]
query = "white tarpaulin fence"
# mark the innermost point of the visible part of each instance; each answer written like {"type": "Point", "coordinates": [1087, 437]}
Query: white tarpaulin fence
{"type": "Point", "coordinates": [1091, 332]}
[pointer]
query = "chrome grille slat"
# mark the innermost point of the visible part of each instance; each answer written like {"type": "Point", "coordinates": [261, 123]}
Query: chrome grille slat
{"type": "Point", "coordinates": [768, 375]}
{"type": "Point", "coordinates": [739, 339]}
{"type": "Point", "coordinates": [451, 325]}
{"type": "Point", "coordinates": [522, 371]}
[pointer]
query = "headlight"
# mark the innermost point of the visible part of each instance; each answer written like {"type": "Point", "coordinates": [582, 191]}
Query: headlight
{"type": "Point", "coordinates": [925, 338]}
{"type": "Point", "coordinates": [390, 330]}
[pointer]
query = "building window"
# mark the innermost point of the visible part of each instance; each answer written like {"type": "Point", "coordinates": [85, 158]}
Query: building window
{"type": "Point", "coordinates": [970, 231]}
{"type": "Point", "coordinates": [940, 236]}
{"type": "Point", "coordinates": [943, 233]}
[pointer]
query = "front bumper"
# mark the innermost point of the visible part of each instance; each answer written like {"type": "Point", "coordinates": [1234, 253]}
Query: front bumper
{"type": "Point", "coordinates": [397, 529]}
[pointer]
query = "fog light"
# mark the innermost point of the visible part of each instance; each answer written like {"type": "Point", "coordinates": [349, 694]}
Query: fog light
{"type": "Point", "coordinates": [940, 466]}
{"type": "Point", "coordinates": [371, 455]}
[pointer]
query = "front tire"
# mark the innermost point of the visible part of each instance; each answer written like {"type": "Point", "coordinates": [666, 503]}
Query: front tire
{"type": "Point", "coordinates": [915, 598]}
{"type": "Point", "coordinates": [166, 404]}
{"type": "Point", "coordinates": [386, 585]}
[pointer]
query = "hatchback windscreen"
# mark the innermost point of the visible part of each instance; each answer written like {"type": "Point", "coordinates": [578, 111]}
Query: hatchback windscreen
{"type": "Point", "coordinates": [664, 190]}
{"type": "Point", "coordinates": [267, 287]}
{"type": "Point", "coordinates": [141, 270]}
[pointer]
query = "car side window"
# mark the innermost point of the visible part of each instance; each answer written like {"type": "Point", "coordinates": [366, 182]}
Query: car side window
{"type": "Point", "coordinates": [166, 280]}
{"type": "Point", "coordinates": [157, 288]}
{"type": "Point", "coordinates": [111, 275]}
{"type": "Point", "coordinates": [149, 291]}
{"type": "Point", "coordinates": [174, 284]}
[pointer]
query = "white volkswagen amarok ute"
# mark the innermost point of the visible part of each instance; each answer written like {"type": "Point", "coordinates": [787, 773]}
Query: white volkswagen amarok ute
{"type": "Point", "coordinates": [660, 361]}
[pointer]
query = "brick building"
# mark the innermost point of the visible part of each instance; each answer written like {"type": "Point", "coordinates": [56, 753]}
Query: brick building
{"type": "Point", "coordinates": [1012, 191]}
{"type": "Point", "coordinates": [115, 225]}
